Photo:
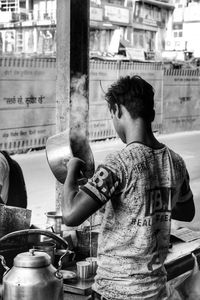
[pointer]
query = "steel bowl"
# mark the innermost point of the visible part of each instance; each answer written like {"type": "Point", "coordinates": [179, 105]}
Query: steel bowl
{"type": "Point", "coordinates": [61, 147]}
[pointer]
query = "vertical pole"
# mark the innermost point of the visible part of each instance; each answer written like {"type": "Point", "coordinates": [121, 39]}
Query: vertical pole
{"type": "Point", "coordinates": [63, 76]}
{"type": "Point", "coordinates": [72, 59]}
{"type": "Point", "coordinates": [27, 5]}
{"type": "Point", "coordinates": [79, 68]}
{"type": "Point", "coordinates": [162, 101]}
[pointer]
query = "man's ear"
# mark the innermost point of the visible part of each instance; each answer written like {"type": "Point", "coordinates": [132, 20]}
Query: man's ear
{"type": "Point", "coordinates": [152, 116]}
{"type": "Point", "coordinates": [118, 111]}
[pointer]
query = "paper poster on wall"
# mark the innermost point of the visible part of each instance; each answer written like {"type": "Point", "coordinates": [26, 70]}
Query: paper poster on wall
{"type": "Point", "coordinates": [181, 101]}
{"type": "Point", "coordinates": [46, 41]}
{"type": "Point", "coordinates": [28, 99]}
{"type": "Point", "coordinates": [27, 104]}
{"type": "Point", "coordinates": [9, 41]}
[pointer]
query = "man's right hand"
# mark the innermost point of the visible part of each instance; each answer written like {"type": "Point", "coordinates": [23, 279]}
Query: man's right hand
{"type": "Point", "coordinates": [75, 170]}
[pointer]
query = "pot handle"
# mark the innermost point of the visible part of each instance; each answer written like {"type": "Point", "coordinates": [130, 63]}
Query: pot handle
{"type": "Point", "coordinates": [58, 274]}
{"type": "Point", "coordinates": [25, 232]}
{"type": "Point", "coordinates": [3, 262]}
{"type": "Point", "coordinates": [60, 260]}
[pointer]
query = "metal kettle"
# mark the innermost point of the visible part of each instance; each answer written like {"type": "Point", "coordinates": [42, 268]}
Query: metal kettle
{"type": "Point", "coordinates": [32, 277]}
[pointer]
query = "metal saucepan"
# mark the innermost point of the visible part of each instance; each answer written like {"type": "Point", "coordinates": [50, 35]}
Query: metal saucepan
{"type": "Point", "coordinates": [61, 147]}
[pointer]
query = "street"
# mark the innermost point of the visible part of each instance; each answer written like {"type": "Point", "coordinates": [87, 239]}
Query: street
{"type": "Point", "coordinates": [41, 182]}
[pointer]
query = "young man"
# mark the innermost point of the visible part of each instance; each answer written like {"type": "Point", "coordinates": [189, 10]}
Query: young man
{"type": "Point", "coordinates": [142, 187]}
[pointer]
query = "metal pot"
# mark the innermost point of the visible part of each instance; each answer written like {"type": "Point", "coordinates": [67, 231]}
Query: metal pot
{"type": "Point", "coordinates": [61, 147]}
{"type": "Point", "coordinates": [47, 247]}
{"type": "Point", "coordinates": [54, 221]}
{"type": "Point", "coordinates": [32, 277]}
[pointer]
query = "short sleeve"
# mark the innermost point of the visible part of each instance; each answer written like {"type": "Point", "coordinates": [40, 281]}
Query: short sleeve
{"type": "Point", "coordinates": [3, 169]}
{"type": "Point", "coordinates": [106, 181]}
{"type": "Point", "coordinates": [185, 191]}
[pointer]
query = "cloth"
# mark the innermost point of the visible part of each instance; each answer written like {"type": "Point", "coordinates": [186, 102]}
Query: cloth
{"type": "Point", "coordinates": [172, 294]}
{"type": "Point", "coordinates": [4, 178]}
{"type": "Point", "coordinates": [96, 296]}
{"type": "Point", "coordinates": [138, 186]}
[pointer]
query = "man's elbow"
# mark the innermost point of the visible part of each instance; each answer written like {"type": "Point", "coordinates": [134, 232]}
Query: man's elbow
{"type": "Point", "coordinates": [191, 214]}
{"type": "Point", "coordinates": [184, 212]}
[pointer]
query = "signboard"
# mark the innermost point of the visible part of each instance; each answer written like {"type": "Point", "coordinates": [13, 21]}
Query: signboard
{"type": "Point", "coordinates": [181, 108]}
{"type": "Point", "coordinates": [134, 53]}
{"type": "Point", "coordinates": [9, 41]}
{"type": "Point", "coordinates": [96, 13]}
{"type": "Point", "coordinates": [117, 14]}
{"type": "Point", "coordinates": [148, 21]}
{"type": "Point", "coordinates": [27, 103]}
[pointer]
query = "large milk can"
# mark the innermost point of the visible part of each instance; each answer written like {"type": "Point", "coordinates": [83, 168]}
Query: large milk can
{"type": "Point", "coordinates": [32, 277]}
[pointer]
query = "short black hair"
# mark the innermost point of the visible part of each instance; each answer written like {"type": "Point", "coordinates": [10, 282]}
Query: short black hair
{"type": "Point", "coordinates": [136, 94]}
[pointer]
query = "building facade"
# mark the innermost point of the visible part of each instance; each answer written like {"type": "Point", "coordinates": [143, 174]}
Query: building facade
{"type": "Point", "coordinates": [182, 36]}
{"type": "Point", "coordinates": [135, 28]}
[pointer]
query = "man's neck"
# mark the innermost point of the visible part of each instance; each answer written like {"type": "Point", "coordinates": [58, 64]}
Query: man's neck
{"type": "Point", "coordinates": [142, 132]}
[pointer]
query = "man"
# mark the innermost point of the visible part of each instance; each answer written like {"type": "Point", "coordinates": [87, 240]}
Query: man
{"type": "Point", "coordinates": [12, 185]}
{"type": "Point", "coordinates": [4, 179]}
{"type": "Point", "coordinates": [142, 187]}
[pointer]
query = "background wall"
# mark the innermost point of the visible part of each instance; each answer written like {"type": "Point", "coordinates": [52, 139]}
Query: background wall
{"type": "Point", "coordinates": [28, 99]}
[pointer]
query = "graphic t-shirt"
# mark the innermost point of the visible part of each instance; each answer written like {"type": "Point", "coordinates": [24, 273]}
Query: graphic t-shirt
{"type": "Point", "coordinates": [138, 187]}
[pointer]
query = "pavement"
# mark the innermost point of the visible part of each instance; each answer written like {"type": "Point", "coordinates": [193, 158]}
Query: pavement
{"type": "Point", "coordinates": [41, 183]}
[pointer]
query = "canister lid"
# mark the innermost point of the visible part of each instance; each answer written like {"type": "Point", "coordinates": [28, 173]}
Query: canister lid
{"type": "Point", "coordinates": [32, 259]}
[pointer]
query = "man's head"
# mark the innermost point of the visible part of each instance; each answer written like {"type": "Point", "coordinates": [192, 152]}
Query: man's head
{"type": "Point", "coordinates": [135, 94]}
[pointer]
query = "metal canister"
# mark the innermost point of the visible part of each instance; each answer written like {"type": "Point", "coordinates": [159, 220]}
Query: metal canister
{"type": "Point", "coordinates": [47, 247]}
{"type": "Point", "coordinates": [32, 277]}
{"type": "Point", "coordinates": [54, 221]}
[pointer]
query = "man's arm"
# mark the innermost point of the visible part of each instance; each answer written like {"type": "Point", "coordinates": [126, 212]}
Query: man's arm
{"type": "Point", "coordinates": [184, 211]}
{"type": "Point", "coordinates": [77, 205]}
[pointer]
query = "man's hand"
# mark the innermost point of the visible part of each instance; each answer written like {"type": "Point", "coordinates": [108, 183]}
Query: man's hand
{"type": "Point", "coordinates": [75, 170]}
{"type": "Point", "coordinates": [76, 167]}
{"type": "Point", "coordinates": [76, 164]}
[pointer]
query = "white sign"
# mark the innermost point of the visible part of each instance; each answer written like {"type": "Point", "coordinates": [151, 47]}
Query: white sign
{"type": "Point", "coordinates": [114, 43]}
{"type": "Point", "coordinates": [151, 22]}
{"type": "Point", "coordinates": [5, 16]}
{"type": "Point", "coordinates": [117, 14]}
{"type": "Point", "coordinates": [96, 14]}
{"type": "Point", "coordinates": [134, 53]}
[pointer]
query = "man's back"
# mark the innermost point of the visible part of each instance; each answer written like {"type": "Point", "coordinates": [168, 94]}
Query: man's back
{"type": "Point", "coordinates": [134, 237]}
{"type": "Point", "coordinates": [141, 188]}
